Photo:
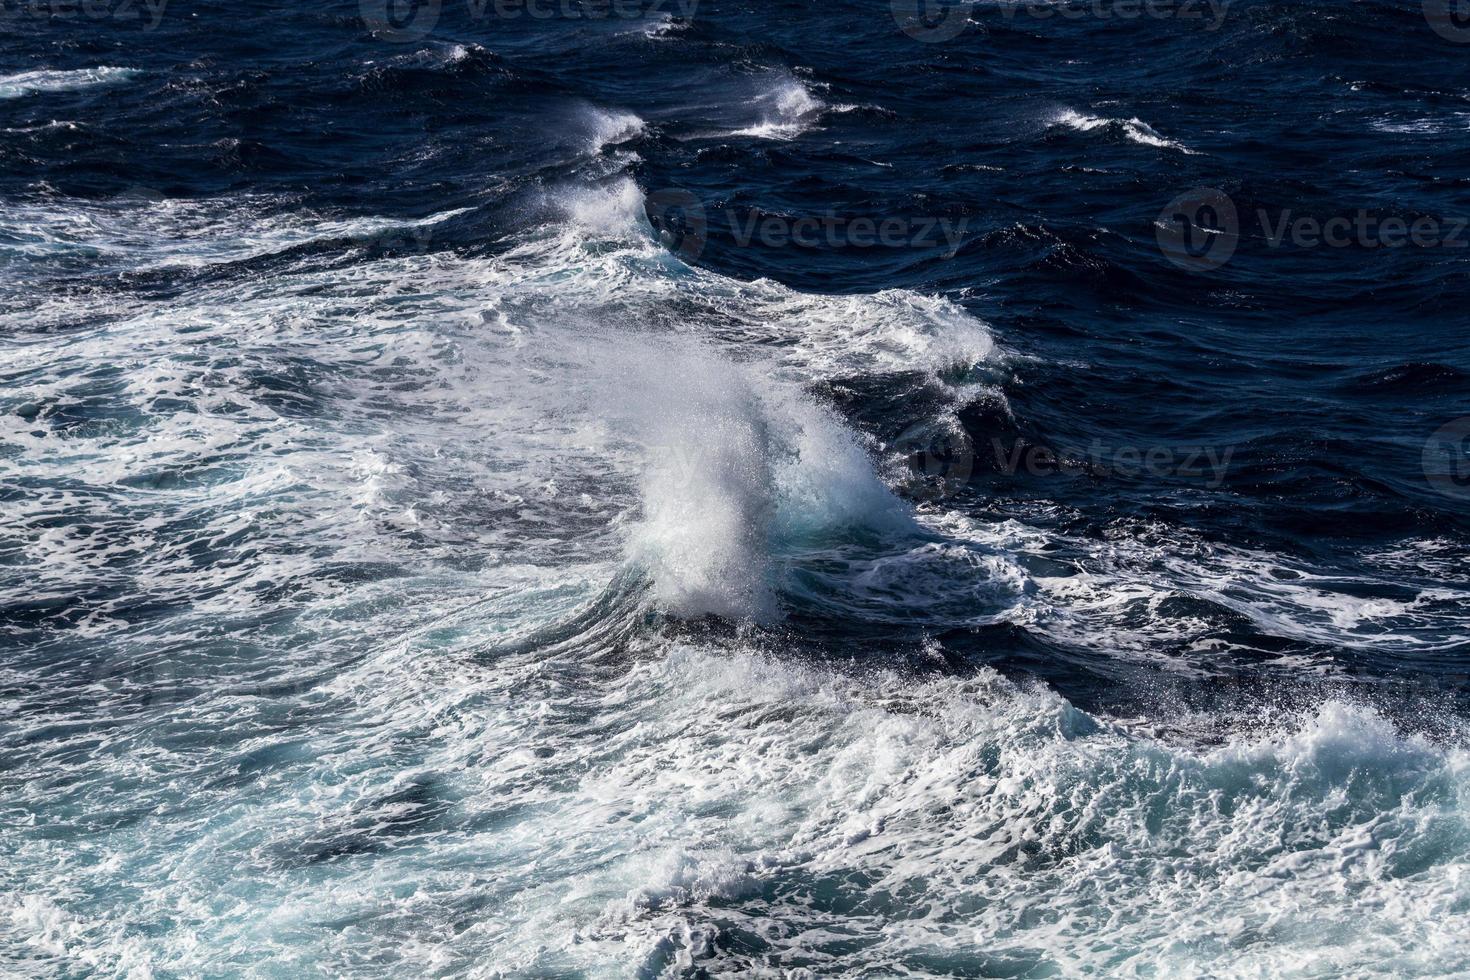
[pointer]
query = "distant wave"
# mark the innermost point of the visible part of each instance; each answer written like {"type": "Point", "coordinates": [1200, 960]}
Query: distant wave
{"type": "Point", "coordinates": [1134, 129]}
{"type": "Point", "coordinates": [49, 80]}
{"type": "Point", "coordinates": [788, 110]}
{"type": "Point", "coordinates": [610, 128]}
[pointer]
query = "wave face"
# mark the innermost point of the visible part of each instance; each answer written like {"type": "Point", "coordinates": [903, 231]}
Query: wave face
{"type": "Point", "coordinates": [691, 491]}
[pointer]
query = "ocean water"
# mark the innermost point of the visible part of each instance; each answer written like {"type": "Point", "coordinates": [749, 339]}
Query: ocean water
{"type": "Point", "coordinates": [732, 488]}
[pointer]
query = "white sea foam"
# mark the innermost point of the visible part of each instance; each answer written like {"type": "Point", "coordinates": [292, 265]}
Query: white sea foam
{"type": "Point", "coordinates": [1122, 590]}
{"type": "Point", "coordinates": [141, 230]}
{"type": "Point", "coordinates": [236, 384]}
{"type": "Point", "coordinates": [361, 503]}
{"type": "Point", "coordinates": [709, 488]}
{"type": "Point", "coordinates": [50, 80]}
{"type": "Point", "coordinates": [1429, 125]}
{"type": "Point", "coordinates": [1034, 834]}
{"type": "Point", "coordinates": [699, 797]}
{"type": "Point", "coordinates": [224, 383]}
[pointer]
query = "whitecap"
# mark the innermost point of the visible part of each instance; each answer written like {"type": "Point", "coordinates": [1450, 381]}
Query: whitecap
{"type": "Point", "coordinates": [665, 26]}
{"type": "Point", "coordinates": [611, 128]}
{"type": "Point", "coordinates": [48, 80]}
{"type": "Point", "coordinates": [738, 470]}
{"type": "Point", "coordinates": [1134, 129]}
{"type": "Point", "coordinates": [787, 110]}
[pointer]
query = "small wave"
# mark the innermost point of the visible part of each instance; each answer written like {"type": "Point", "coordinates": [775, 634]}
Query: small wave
{"type": "Point", "coordinates": [788, 110]}
{"type": "Point", "coordinates": [1134, 129]}
{"type": "Point", "coordinates": [445, 55]}
{"type": "Point", "coordinates": [48, 80]}
{"type": "Point", "coordinates": [665, 26]}
{"type": "Point", "coordinates": [611, 128]}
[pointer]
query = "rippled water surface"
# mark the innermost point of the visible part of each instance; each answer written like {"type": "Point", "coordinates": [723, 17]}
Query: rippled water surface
{"type": "Point", "coordinates": [734, 488]}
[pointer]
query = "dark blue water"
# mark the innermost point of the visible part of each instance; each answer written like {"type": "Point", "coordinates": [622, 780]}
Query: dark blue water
{"type": "Point", "coordinates": [657, 487]}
